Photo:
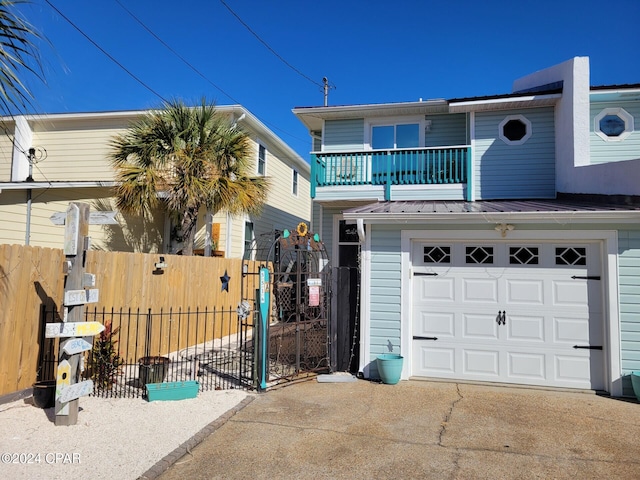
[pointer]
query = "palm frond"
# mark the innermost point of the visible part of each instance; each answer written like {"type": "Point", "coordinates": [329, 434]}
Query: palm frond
{"type": "Point", "coordinates": [18, 54]}
{"type": "Point", "coordinates": [194, 156]}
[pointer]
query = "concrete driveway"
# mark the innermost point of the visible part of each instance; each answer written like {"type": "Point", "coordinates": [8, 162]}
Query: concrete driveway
{"type": "Point", "coordinates": [415, 429]}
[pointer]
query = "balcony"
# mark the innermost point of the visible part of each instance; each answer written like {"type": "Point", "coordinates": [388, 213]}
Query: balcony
{"type": "Point", "coordinates": [417, 173]}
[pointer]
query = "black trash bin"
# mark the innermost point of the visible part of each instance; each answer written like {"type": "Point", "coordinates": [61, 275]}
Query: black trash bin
{"type": "Point", "coordinates": [152, 370]}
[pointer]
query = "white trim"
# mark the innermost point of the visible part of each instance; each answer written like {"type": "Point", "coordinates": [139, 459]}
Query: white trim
{"type": "Point", "coordinates": [508, 99]}
{"type": "Point", "coordinates": [227, 240]}
{"type": "Point", "coordinates": [46, 185]}
{"type": "Point", "coordinates": [247, 219]}
{"type": "Point", "coordinates": [365, 306]}
{"type": "Point", "coordinates": [295, 181]}
{"type": "Point", "coordinates": [510, 118]}
{"type": "Point", "coordinates": [22, 142]}
{"type": "Point", "coordinates": [266, 155]}
{"type": "Point", "coordinates": [609, 251]}
{"type": "Point", "coordinates": [471, 176]}
{"type": "Point", "coordinates": [623, 115]}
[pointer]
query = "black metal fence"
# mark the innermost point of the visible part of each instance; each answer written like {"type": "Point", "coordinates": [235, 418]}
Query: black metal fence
{"type": "Point", "coordinates": [211, 346]}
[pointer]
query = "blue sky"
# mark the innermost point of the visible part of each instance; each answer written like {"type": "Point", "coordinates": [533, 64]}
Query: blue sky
{"type": "Point", "coordinates": [374, 51]}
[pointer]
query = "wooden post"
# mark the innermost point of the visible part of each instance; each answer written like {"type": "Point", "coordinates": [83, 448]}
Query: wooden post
{"type": "Point", "coordinates": [75, 245]}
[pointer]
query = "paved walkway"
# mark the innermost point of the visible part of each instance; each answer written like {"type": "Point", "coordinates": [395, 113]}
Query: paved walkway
{"type": "Point", "coordinates": [425, 430]}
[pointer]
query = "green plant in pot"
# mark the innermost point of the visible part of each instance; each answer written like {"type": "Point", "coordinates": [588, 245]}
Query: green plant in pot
{"type": "Point", "coordinates": [105, 363]}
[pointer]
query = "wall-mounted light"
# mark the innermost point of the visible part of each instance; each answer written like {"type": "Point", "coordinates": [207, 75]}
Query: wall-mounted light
{"type": "Point", "coordinates": [503, 228]}
{"type": "Point", "coordinates": [161, 265]}
{"type": "Point", "coordinates": [427, 126]}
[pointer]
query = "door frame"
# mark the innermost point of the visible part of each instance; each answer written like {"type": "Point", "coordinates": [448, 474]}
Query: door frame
{"type": "Point", "coordinates": [609, 261]}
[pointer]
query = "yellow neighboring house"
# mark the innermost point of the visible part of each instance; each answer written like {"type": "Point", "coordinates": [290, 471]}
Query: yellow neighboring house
{"type": "Point", "coordinates": [47, 161]}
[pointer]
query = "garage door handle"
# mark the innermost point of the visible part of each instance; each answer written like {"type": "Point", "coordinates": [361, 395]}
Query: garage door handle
{"type": "Point", "coordinates": [502, 317]}
{"type": "Point", "coordinates": [415, 337]}
{"type": "Point", "coordinates": [425, 274]}
{"type": "Point", "coordinates": [589, 347]}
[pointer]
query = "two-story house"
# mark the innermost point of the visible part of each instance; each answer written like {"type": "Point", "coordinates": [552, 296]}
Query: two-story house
{"type": "Point", "coordinates": [497, 238]}
{"type": "Point", "coordinates": [47, 161]}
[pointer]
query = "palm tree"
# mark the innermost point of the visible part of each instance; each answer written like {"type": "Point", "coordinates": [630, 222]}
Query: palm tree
{"type": "Point", "coordinates": [186, 158]}
{"type": "Point", "coordinates": [17, 53]}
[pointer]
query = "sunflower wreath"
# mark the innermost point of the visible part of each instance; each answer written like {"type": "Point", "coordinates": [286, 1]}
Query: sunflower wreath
{"type": "Point", "coordinates": [302, 229]}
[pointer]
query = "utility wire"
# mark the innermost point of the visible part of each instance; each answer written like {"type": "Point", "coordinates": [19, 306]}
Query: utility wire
{"type": "Point", "coordinates": [106, 53]}
{"type": "Point", "coordinates": [168, 47]}
{"type": "Point", "coordinates": [174, 52]}
{"type": "Point", "coordinates": [162, 42]}
{"type": "Point", "coordinates": [269, 48]}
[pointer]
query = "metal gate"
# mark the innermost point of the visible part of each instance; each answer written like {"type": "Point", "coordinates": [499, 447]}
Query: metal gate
{"type": "Point", "coordinates": [296, 339]}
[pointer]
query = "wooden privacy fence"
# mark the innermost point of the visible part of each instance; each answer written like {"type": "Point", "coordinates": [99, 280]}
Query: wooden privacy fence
{"type": "Point", "coordinates": [31, 278]}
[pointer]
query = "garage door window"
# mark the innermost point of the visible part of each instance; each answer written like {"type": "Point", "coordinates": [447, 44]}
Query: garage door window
{"type": "Point", "coordinates": [524, 255]}
{"type": "Point", "coordinates": [571, 256]}
{"type": "Point", "coordinates": [437, 254]}
{"type": "Point", "coordinates": [479, 255]}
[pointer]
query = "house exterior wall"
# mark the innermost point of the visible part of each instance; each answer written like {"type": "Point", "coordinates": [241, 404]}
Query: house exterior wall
{"type": "Point", "coordinates": [446, 130]}
{"type": "Point", "coordinates": [282, 209]}
{"type": "Point", "coordinates": [572, 117]}
{"type": "Point", "coordinates": [515, 171]}
{"type": "Point", "coordinates": [13, 205]}
{"type": "Point", "coordinates": [343, 135]}
{"type": "Point", "coordinates": [629, 278]}
{"type": "Point", "coordinates": [329, 235]}
{"type": "Point", "coordinates": [129, 235]}
{"type": "Point", "coordinates": [78, 147]}
{"type": "Point", "coordinates": [385, 290]}
{"type": "Point", "coordinates": [77, 150]}
{"type": "Point", "coordinates": [603, 151]}
{"type": "Point", "coordinates": [6, 153]}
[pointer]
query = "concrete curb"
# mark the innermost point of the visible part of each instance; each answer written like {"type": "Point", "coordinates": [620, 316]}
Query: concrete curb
{"type": "Point", "coordinates": [163, 465]}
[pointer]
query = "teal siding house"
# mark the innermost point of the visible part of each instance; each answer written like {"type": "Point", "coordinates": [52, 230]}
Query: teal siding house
{"type": "Point", "coordinates": [490, 239]}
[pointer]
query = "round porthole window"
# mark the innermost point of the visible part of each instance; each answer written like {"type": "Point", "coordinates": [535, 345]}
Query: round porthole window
{"type": "Point", "coordinates": [514, 129]}
{"type": "Point", "coordinates": [613, 124]}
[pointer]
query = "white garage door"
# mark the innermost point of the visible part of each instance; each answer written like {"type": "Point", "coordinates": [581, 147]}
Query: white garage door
{"type": "Point", "coordinates": [508, 312]}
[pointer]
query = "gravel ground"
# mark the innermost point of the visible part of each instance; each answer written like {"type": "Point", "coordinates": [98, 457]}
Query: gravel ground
{"type": "Point", "coordinates": [114, 438]}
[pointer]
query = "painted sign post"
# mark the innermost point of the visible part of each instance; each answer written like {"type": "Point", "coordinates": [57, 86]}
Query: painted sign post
{"type": "Point", "coordinates": [71, 232]}
{"type": "Point", "coordinates": [77, 390]}
{"type": "Point", "coordinates": [72, 329]}
{"type": "Point", "coordinates": [63, 380]}
{"type": "Point", "coordinates": [76, 345]}
{"type": "Point", "coordinates": [80, 297]}
{"type": "Point", "coordinates": [76, 241]}
{"type": "Point", "coordinates": [264, 320]}
{"type": "Point", "coordinates": [95, 218]}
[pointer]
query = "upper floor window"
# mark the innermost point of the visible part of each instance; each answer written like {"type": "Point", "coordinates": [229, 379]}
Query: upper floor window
{"type": "Point", "coordinates": [395, 136]}
{"type": "Point", "coordinates": [294, 185]}
{"type": "Point", "coordinates": [262, 159]}
{"type": "Point", "coordinates": [613, 124]}
{"type": "Point", "coordinates": [514, 130]}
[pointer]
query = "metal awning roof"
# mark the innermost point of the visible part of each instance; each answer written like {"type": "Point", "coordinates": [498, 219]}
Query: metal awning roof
{"type": "Point", "coordinates": [578, 209]}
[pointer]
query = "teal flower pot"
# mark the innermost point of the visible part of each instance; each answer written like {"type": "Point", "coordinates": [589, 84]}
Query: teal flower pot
{"type": "Point", "coordinates": [389, 367]}
{"type": "Point", "coordinates": [635, 383]}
